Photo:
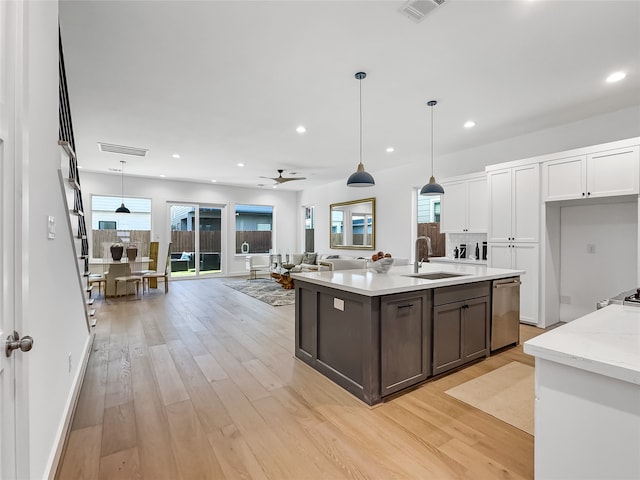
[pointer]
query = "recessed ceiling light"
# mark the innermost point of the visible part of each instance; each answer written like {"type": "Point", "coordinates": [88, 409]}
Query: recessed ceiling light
{"type": "Point", "coordinates": [301, 129]}
{"type": "Point", "coordinates": [275, 186]}
{"type": "Point", "coordinates": [241, 164]}
{"type": "Point", "coordinates": [469, 124]}
{"type": "Point", "coordinates": [213, 180]}
{"type": "Point", "coordinates": [162, 175]}
{"type": "Point", "coordinates": [390, 149]}
{"type": "Point", "coordinates": [79, 166]}
{"type": "Point", "coordinates": [616, 77]}
{"type": "Point", "coordinates": [175, 155]}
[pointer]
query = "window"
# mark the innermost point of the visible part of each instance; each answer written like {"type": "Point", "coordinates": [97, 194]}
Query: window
{"type": "Point", "coordinates": [254, 229]}
{"type": "Point", "coordinates": [428, 209]}
{"type": "Point", "coordinates": [109, 227]}
{"type": "Point", "coordinates": [309, 229]}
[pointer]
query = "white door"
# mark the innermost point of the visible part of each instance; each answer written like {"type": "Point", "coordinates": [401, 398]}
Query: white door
{"type": "Point", "coordinates": [453, 216]}
{"type": "Point", "coordinates": [499, 255]}
{"type": "Point", "coordinates": [525, 257]}
{"type": "Point", "coordinates": [13, 410]}
{"type": "Point", "coordinates": [478, 205]}
{"type": "Point", "coordinates": [525, 208]}
{"type": "Point", "coordinates": [613, 173]}
{"type": "Point", "coordinates": [499, 188]}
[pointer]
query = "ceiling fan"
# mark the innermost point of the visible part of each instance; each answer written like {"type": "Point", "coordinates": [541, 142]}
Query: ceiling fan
{"type": "Point", "coordinates": [281, 179]}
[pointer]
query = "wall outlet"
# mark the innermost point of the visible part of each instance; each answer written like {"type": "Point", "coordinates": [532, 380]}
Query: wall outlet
{"type": "Point", "coordinates": [591, 248]}
{"type": "Point", "coordinates": [565, 299]}
{"type": "Point", "coordinates": [338, 304]}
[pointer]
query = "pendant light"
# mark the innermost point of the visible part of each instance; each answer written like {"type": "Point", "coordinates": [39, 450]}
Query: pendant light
{"type": "Point", "coordinates": [122, 208]}
{"type": "Point", "coordinates": [360, 178]}
{"type": "Point", "coordinates": [432, 188]}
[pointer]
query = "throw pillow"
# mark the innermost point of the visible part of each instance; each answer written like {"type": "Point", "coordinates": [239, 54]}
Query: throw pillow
{"type": "Point", "coordinates": [309, 258]}
{"type": "Point", "coordinates": [296, 258]}
{"type": "Point", "coordinates": [332, 257]}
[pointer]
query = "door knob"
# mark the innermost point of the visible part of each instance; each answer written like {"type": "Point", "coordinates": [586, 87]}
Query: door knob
{"type": "Point", "coordinates": [14, 342]}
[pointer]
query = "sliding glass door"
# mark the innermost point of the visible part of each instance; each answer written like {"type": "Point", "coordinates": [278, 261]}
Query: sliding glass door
{"type": "Point", "coordinates": [196, 239]}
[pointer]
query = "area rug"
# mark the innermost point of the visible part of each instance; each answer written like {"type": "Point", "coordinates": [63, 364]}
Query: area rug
{"type": "Point", "coordinates": [506, 393]}
{"type": "Point", "coordinates": [265, 290]}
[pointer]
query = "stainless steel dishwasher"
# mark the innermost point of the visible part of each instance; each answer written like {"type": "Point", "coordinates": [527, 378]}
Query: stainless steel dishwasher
{"type": "Point", "coordinates": [505, 313]}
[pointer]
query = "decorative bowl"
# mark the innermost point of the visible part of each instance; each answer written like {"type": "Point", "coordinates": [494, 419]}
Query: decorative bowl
{"type": "Point", "coordinates": [381, 266]}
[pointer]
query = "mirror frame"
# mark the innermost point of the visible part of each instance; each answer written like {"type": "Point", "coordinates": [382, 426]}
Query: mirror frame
{"type": "Point", "coordinates": [371, 200]}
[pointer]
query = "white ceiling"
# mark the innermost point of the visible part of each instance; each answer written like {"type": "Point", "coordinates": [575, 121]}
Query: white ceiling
{"type": "Point", "coordinates": [222, 82]}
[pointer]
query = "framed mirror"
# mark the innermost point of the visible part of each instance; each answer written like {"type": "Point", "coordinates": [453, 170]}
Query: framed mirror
{"type": "Point", "coordinates": [353, 224]}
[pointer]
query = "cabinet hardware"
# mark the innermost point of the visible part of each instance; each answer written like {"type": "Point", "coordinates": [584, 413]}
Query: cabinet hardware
{"type": "Point", "coordinates": [406, 306]}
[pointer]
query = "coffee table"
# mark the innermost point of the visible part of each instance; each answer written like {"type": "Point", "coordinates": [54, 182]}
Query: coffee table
{"type": "Point", "coordinates": [283, 278]}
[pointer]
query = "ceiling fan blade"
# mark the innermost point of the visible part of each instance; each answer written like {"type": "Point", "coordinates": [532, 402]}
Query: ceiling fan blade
{"type": "Point", "coordinates": [288, 179]}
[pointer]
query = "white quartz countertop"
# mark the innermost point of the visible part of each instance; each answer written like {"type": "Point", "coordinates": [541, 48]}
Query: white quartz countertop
{"type": "Point", "coordinates": [606, 341]}
{"type": "Point", "coordinates": [398, 279]}
{"type": "Point", "coordinates": [457, 260]}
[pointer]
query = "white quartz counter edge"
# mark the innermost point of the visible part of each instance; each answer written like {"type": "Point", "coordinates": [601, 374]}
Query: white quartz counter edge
{"type": "Point", "coordinates": [606, 342]}
{"type": "Point", "coordinates": [372, 284]}
{"type": "Point", "coordinates": [457, 260]}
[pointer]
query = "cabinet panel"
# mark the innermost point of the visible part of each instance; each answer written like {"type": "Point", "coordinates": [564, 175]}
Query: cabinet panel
{"type": "Point", "coordinates": [499, 188]}
{"type": "Point", "coordinates": [478, 205]}
{"type": "Point", "coordinates": [613, 173]}
{"type": "Point", "coordinates": [525, 209]}
{"type": "Point", "coordinates": [520, 256]}
{"type": "Point", "coordinates": [404, 342]}
{"type": "Point", "coordinates": [447, 333]}
{"type": "Point", "coordinates": [564, 179]}
{"type": "Point", "coordinates": [499, 255]}
{"type": "Point", "coordinates": [454, 207]}
{"type": "Point", "coordinates": [525, 257]}
{"type": "Point", "coordinates": [475, 328]}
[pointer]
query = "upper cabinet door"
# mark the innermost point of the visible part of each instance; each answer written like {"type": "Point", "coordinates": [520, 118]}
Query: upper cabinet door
{"type": "Point", "coordinates": [526, 203]}
{"type": "Point", "coordinates": [499, 189]}
{"type": "Point", "coordinates": [478, 205]}
{"type": "Point", "coordinates": [454, 207]}
{"type": "Point", "coordinates": [614, 172]}
{"type": "Point", "coordinates": [564, 179]}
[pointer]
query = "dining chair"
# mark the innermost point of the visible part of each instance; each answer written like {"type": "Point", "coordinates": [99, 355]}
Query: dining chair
{"type": "Point", "coordinates": [146, 278]}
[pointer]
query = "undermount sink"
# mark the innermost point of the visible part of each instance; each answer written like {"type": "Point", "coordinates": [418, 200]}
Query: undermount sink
{"type": "Point", "coordinates": [436, 275]}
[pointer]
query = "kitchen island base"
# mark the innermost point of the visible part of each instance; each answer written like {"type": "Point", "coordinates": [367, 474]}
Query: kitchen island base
{"type": "Point", "coordinates": [376, 346]}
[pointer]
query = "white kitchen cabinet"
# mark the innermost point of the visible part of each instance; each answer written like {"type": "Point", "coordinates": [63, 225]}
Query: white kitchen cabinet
{"type": "Point", "coordinates": [601, 174]}
{"type": "Point", "coordinates": [520, 256]}
{"type": "Point", "coordinates": [514, 204]}
{"type": "Point", "coordinates": [464, 206]}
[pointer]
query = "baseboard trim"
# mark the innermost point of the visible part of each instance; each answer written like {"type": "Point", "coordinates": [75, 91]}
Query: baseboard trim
{"type": "Point", "coordinates": [70, 410]}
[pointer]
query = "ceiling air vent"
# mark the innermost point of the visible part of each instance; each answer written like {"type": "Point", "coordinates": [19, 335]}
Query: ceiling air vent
{"type": "Point", "coordinates": [109, 147]}
{"type": "Point", "coordinates": [416, 10]}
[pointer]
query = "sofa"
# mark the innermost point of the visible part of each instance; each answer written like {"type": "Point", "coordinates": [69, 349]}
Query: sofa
{"type": "Point", "coordinates": [184, 261]}
{"type": "Point", "coordinates": [306, 262]}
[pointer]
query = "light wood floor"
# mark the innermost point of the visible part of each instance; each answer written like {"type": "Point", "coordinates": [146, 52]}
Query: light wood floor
{"type": "Point", "coordinates": [202, 383]}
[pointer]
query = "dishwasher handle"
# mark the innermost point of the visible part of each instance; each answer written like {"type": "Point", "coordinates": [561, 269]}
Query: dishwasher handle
{"type": "Point", "coordinates": [515, 283]}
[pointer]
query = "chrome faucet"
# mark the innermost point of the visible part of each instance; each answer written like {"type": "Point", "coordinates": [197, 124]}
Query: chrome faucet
{"type": "Point", "coordinates": [418, 263]}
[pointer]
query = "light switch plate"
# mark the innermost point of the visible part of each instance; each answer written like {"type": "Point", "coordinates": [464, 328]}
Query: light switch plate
{"type": "Point", "coordinates": [51, 227]}
{"type": "Point", "coordinates": [338, 304]}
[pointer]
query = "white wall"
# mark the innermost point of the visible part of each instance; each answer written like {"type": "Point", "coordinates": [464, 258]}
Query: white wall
{"type": "Point", "coordinates": [53, 305]}
{"type": "Point", "coordinates": [585, 278]}
{"type": "Point", "coordinates": [286, 214]}
{"type": "Point", "coordinates": [395, 215]}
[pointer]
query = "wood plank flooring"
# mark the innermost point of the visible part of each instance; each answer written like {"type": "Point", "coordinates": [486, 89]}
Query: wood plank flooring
{"type": "Point", "coordinates": [202, 383]}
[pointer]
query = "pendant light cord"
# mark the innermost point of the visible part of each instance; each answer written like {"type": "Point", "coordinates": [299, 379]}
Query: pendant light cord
{"type": "Point", "coordinates": [122, 181]}
{"type": "Point", "coordinates": [360, 82]}
{"type": "Point", "coordinates": [432, 141]}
